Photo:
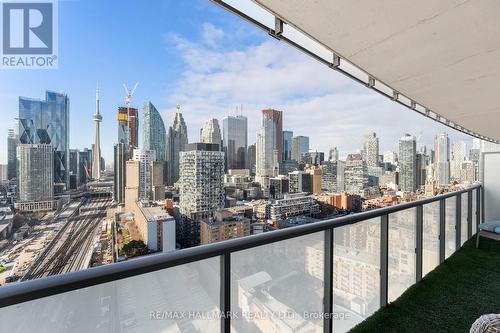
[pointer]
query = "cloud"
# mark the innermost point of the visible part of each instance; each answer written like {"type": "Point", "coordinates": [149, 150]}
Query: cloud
{"type": "Point", "coordinates": [318, 102]}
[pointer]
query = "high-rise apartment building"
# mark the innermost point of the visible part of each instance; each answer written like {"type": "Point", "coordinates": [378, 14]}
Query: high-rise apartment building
{"type": "Point", "coordinates": [269, 147]}
{"type": "Point", "coordinates": [154, 132]}
{"type": "Point", "coordinates": [3, 172]}
{"type": "Point", "coordinates": [390, 157]}
{"type": "Point", "coordinates": [235, 141]}
{"type": "Point", "coordinates": [371, 149]}
{"type": "Point", "coordinates": [287, 145]}
{"type": "Point", "coordinates": [210, 133]}
{"type": "Point", "coordinates": [12, 142]}
{"type": "Point", "coordinates": [300, 146]}
{"type": "Point", "coordinates": [128, 126]}
{"type": "Point", "coordinates": [407, 163]}
{"type": "Point", "coordinates": [177, 139]}
{"type": "Point", "coordinates": [201, 189]}
{"type": "Point", "coordinates": [458, 155]}
{"type": "Point", "coordinates": [329, 177]}
{"type": "Point", "coordinates": [47, 122]}
{"type": "Point", "coordinates": [300, 181]}
{"type": "Point", "coordinates": [355, 174]}
{"type": "Point", "coordinates": [145, 159]}
{"type": "Point", "coordinates": [35, 177]}
{"type": "Point", "coordinates": [121, 156]}
{"type": "Point", "coordinates": [442, 159]}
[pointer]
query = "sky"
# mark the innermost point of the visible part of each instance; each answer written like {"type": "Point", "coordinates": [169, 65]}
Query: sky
{"type": "Point", "coordinates": [209, 61]}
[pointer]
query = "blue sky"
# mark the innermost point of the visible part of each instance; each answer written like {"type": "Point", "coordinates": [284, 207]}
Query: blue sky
{"type": "Point", "coordinates": [208, 60]}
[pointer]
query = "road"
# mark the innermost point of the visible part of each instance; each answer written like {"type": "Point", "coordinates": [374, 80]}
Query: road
{"type": "Point", "coordinates": [71, 249]}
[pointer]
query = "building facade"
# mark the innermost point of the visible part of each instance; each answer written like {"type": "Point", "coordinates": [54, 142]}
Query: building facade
{"type": "Point", "coordinates": [154, 131]}
{"type": "Point", "coordinates": [300, 146]}
{"type": "Point", "coordinates": [371, 150]}
{"type": "Point", "coordinates": [210, 133]}
{"type": "Point", "coordinates": [407, 163]}
{"type": "Point", "coordinates": [128, 126]}
{"type": "Point", "coordinates": [12, 142]}
{"type": "Point", "coordinates": [177, 139]}
{"type": "Point", "coordinates": [287, 145]}
{"type": "Point", "coordinates": [47, 122]}
{"type": "Point", "coordinates": [235, 141]}
{"type": "Point", "coordinates": [355, 174]}
{"type": "Point", "coordinates": [442, 159]}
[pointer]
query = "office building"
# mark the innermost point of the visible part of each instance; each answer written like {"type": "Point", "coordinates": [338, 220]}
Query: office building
{"type": "Point", "coordinates": [85, 166]}
{"type": "Point", "coordinates": [407, 163]}
{"type": "Point", "coordinates": [12, 142]}
{"type": "Point", "coordinates": [277, 118]}
{"type": "Point", "coordinates": [315, 172]}
{"type": "Point", "coordinates": [300, 146]}
{"type": "Point", "coordinates": [313, 157]}
{"type": "Point", "coordinates": [177, 139]}
{"type": "Point", "coordinates": [35, 177]}
{"type": "Point", "coordinates": [442, 159]}
{"type": "Point", "coordinates": [287, 145]}
{"type": "Point", "coordinates": [47, 122]}
{"type": "Point", "coordinates": [333, 154]}
{"type": "Point", "coordinates": [210, 133]}
{"type": "Point", "coordinates": [235, 136]}
{"type": "Point", "coordinates": [300, 182]}
{"type": "Point", "coordinates": [128, 126]}
{"type": "Point", "coordinates": [278, 186]}
{"type": "Point", "coordinates": [371, 149]}
{"type": "Point", "coordinates": [250, 161]}
{"type": "Point", "coordinates": [355, 174]}
{"type": "Point", "coordinates": [154, 132]}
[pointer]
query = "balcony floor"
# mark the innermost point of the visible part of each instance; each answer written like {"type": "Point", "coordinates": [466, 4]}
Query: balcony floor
{"type": "Point", "coordinates": [448, 299]}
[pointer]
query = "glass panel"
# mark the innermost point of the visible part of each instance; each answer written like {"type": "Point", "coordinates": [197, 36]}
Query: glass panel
{"type": "Point", "coordinates": [430, 251]}
{"type": "Point", "coordinates": [402, 240]}
{"type": "Point", "coordinates": [356, 273]}
{"type": "Point", "coordinates": [450, 231]}
{"type": "Point", "coordinates": [463, 218]}
{"type": "Point", "coordinates": [474, 211]}
{"type": "Point", "coordinates": [178, 299]}
{"type": "Point", "coordinates": [279, 287]}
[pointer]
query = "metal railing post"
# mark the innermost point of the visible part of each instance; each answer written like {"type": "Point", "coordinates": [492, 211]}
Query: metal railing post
{"type": "Point", "coordinates": [442, 230]}
{"type": "Point", "coordinates": [482, 205]}
{"type": "Point", "coordinates": [478, 207]}
{"type": "Point", "coordinates": [469, 215]}
{"type": "Point", "coordinates": [419, 242]}
{"type": "Point", "coordinates": [328, 282]}
{"type": "Point", "coordinates": [458, 221]}
{"type": "Point", "coordinates": [225, 292]}
{"type": "Point", "coordinates": [384, 260]}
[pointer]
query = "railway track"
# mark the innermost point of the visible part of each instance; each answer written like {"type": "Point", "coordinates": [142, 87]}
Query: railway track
{"type": "Point", "coordinates": [70, 251]}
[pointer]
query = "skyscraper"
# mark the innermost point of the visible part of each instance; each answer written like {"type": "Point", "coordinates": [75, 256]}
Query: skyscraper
{"type": "Point", "coordinates": [210, 133]}
{"type": "Point", "coordinates": [35, 177]}
{"type": "Point", "coordinates": [145, 158]}
{"type": "Point", "coordinates": [251, 157]}
{"type": "Point", "coordinates": [329, 177]}
{"type": "Point", "coordinates": [154, 132]}
{"type": "Point", "coordinates": [458, 156]}
{"type": "Point", "coordinates": [47, 122]}
{"type": "Point", "coordinates": [333, 155]}
{"type": "Point", "coordinates": [269, 141]}
{"type": "Point", "coordinates": [287, 145]}
{"type": "Point", "coordinates": [235, 141]}
{"type": "Point", "coordinates": [128, 126]}
{"type": "Point", "coordinates": [371, 149]}
{"type": "Point", "coordinates": [177, 139]}
{"type": "Point", "coordinates": [96, 165]}
{"type": "Point", "coordinates": [442, 159]}
{"type": "Point", "coordinates": [300, 146]}
{"type": "Point", "coordinates": [12, 142]}
{"type": "Point", "coordinates": [277, 119]}
{"type": "Point", "coordinates": [201, 189]}
{"type": "Point", "coordinates": [121, 156]}
{"type": "Point", "coordinates": [408, 163]}
{"type": "Point", "coordinates": [355, 174]}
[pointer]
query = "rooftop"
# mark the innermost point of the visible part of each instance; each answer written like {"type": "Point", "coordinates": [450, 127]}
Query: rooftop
{"type": "Point", "coordinates": [448, 299]}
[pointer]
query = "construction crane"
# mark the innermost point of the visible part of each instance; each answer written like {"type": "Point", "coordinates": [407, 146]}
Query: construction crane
{"type": "Point", "coordinates": [128, 100]}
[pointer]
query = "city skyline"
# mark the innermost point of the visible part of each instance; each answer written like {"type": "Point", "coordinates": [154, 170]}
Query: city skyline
{"type": "Point", "coordinates": [227, 77]}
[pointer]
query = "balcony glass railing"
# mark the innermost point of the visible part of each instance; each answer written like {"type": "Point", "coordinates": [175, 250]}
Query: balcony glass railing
{"type": "Point", "coordinates": [326, 276]}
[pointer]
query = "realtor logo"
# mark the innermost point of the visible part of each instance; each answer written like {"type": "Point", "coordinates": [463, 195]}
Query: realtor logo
{"type": "Point", "coordinates": [29, 34]}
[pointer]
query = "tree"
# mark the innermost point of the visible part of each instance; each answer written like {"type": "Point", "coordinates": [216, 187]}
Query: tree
{"type": "Point", "coordinates": [135, 248]}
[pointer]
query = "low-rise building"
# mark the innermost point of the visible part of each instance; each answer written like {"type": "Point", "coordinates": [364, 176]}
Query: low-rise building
{"type": "Point", "coordinates": [292, 205]}
{"type": "Point", "coordinates": [225, 225]}
{"type": "Point", "coordinates": [155, 225]}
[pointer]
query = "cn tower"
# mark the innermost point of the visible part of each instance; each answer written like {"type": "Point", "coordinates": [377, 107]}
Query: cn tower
{"type": "Point", "coordinates": [96, 154]}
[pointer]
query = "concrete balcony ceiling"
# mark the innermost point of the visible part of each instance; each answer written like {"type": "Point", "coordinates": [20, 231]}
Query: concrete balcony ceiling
{"type": "Point", "coordinates": [443, 55]}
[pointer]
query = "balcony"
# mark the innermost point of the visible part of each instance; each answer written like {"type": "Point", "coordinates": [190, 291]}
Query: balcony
{"type": "Point", "coordinates": [327, 276]}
